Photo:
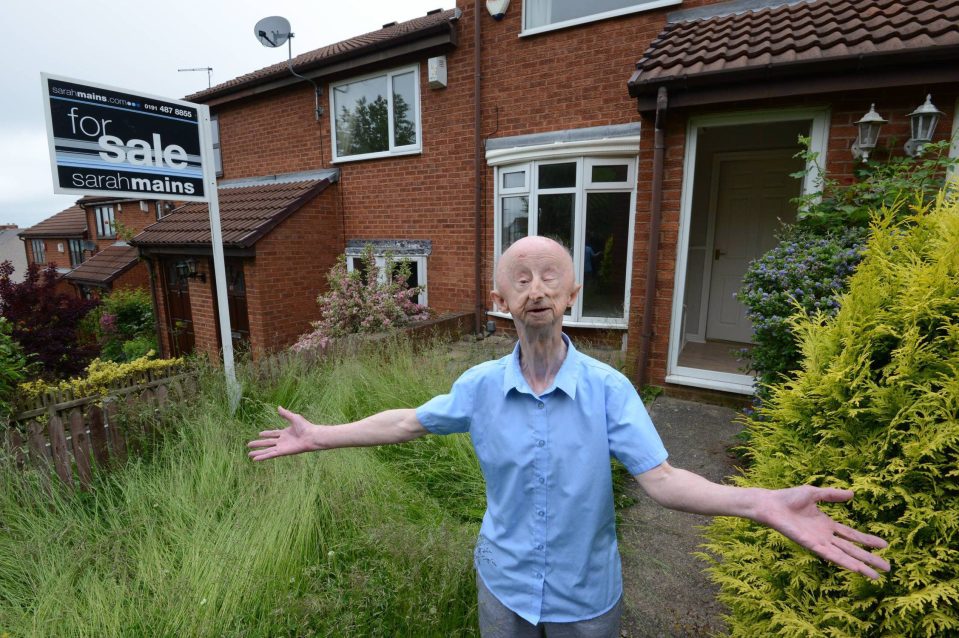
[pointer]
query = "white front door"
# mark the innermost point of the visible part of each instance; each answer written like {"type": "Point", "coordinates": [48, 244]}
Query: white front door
{"type": "Point", "coordinates": [751, 195]}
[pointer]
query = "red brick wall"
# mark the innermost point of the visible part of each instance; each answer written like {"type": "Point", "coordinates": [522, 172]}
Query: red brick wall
{"type": "Point", "coordinates": [205, 323]}
{"type": "Point", "coordinates": [136, 277]}
{"type": "Point", "coordinates": [51, 253]}
{"type": "Point", "coordinates": [289, 272]}
{"type": "Point", "coordinates": [128, 214]}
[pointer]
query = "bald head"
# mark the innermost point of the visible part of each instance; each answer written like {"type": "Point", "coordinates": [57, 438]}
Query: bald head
{"type": "Point", "coordinates": [535, 283]}
{"type": "Point", "coordinates": [534, 248]}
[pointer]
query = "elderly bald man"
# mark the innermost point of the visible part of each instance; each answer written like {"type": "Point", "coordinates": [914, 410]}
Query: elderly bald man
{"type": "Point", "coordinates": [544, 422]}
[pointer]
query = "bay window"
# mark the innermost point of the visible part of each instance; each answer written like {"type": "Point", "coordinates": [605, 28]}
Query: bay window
{"type": "Point", "coordinates": [586, 204]}
{"type": "Point", "coordinates": [376, 115]}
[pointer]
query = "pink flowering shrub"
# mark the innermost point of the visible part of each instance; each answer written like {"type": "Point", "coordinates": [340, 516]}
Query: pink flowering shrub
{"type": "Point", "coordinates": [360, 302]}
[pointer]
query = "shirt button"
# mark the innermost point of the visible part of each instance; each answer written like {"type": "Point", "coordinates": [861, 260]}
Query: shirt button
{"type": "Point", "coordinates": [541, 443]}
{"type": "Point", "coordinates": [541, 513]}
{"type": "Point", "coordinates": [539, 547]}
{"type": "Point", "coordinates": [542, 480]}
{"type": "Point", "coordinates": [538, 575]}
{"type": "Point", "coordinates": [540, 405]}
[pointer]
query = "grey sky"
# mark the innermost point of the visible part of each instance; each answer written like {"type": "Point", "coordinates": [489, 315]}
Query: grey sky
{"type": "Point", "coordinates": [139, 46]}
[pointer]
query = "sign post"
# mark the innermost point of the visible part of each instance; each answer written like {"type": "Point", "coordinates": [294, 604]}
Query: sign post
{"type": "Point", "coordinates": [107, 141]}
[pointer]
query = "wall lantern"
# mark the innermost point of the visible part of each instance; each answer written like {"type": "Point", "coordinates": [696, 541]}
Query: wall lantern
{"type": "Point", "coordinates": [497, 8]}
{"type": "Point", "coordinates": [187, 269]}
{"type": "Point", "coordinates": [869, 125]}
{"type": "Point", "coordinates": [923, 123]}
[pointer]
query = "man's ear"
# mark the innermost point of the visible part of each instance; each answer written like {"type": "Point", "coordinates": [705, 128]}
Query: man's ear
{"type": "Point", "coordinates": [574, 294]}
{"type": "Point", "coordinates": [498, 302]}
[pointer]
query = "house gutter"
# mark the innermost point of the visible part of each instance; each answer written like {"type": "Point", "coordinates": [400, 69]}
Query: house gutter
{"type": "Point", "coordinates": [655, 214]}
{"type": "Point", "coordinates": [478, 173]}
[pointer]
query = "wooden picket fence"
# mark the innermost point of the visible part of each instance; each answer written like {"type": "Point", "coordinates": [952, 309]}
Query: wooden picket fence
{"type": "Point", "coordinates": [68, 436]}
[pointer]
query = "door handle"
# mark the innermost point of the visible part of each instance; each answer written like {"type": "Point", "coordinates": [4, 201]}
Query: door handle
{"type": "Point", "coordinates": [719, 253]}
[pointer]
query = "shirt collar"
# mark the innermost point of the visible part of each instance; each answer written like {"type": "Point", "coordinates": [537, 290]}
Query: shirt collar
{"type": "Point", "coordinates": [565, 379]}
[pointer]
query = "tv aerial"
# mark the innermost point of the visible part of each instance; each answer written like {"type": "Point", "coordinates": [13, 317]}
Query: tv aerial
{"type": "Point", "coordinates": [209, 73]}
{"type": "Point", "coordinates": [273, 32]}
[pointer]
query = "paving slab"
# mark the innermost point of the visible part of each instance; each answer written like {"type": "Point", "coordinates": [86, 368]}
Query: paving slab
{"type": "Point", "coordinates": [666, 592]}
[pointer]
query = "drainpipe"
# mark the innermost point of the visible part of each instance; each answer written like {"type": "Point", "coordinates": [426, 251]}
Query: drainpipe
{"type": "Point", "coordinates": [478, 174]}
{"type": "Point", "coordinates": [655, 218]}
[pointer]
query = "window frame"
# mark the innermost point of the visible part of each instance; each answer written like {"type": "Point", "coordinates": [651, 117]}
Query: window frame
{"type": "Point", "coordinates": [418, 261]}
{"type": "Point", "coordinates": [638, 7]}
{"type": "Point", "coordinates": [392, 150]}
{"type": "Point", "coordinates": [217, 154]}
{"type": "Point", "coordinates": [40, 244]}
{"type": "Point", "coordinates": [584, 186]}
{"type": "Point", "coordinates": [98, 214]}
{"type": "Point", "coordinates": [76, 250]}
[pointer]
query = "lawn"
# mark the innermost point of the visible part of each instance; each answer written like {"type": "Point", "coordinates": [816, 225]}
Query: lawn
{"type": "Point", "coordinates": [193, 539]}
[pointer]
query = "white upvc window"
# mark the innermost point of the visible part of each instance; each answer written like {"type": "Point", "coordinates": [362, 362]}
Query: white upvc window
{"type": "Point", "coordinates": [376, 115]}
{"type": "Point", "coordinates": [412, 252]}
{"type": "Point", "coordinates": [106, 226]}
{"type": "Point", "coordinates": [587, 204]}
{"type": "Point", "coordinates": [39, 251]}
{"type": "Point", "coordinates": [546, 15]}
{"type": "Point", "coordinates": [217, 155]}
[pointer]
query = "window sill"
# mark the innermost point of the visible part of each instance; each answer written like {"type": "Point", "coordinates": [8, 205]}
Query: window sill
{"type": "Point", "coordinates": [610, 324]}
{"type": "Point", "coordinates": [658, 4]}
{"type": "Point", "coordinates": [370, 156]}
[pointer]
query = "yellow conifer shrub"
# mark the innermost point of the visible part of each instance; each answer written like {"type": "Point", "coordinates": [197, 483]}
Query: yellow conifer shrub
{"type": "Point", "coordinates": [875, 408]}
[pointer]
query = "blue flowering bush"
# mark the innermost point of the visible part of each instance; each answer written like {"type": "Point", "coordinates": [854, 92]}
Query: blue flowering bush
{"type": "Point", "coordinates": [804, 272]}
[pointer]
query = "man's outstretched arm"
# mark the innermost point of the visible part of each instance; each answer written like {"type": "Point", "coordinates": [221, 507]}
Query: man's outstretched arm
{"type": "Point", "coordinates": [383, 428]}
{"type": "Point", "coordinates": [792, 512]}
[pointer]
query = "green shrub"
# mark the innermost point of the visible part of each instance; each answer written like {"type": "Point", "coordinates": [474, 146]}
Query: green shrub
{"type": "Point", "coordinates": [808, 269]}
{"type": "Point", "coordinates": [125, 316]}
{"type": "Point", "coordinates": [873, 408]}
{"type": "Point", "coordinates": [14, 367]}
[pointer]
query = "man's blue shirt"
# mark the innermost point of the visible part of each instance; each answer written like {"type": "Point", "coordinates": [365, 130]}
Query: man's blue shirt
{"type": "Point", "coordinates": [547, 546]}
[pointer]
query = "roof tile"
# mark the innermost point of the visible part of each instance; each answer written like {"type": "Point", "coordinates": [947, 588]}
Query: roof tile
{"type": "Point", "coordinates": [247, 212]}
{"type": "Point", "coordinates": [71, 222]}
{"type": "Point", "coordinates": [316, 57]}
{"type": "Point", "coordinates": [106, 265]}
{"type": "Point", "coordinates": [797, 32]}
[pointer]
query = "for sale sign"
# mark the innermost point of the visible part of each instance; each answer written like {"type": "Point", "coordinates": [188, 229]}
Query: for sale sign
{"type": "Point", "coordinates": [107, 141]}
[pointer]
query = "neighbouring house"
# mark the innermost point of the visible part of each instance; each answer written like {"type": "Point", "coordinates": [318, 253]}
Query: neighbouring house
{"type": "Point", "coordinates": [114, 264]}
{"type": "Point", "coordinates": [85, 244]}
{"type": "Point", "coordinates": [654, 138]}
{"type": "Point", "coordinates": [62, 240]}
{"type": "Point", "coordinates": [11, 249]}
{"type": "Point", "coordinates": [281, 234]}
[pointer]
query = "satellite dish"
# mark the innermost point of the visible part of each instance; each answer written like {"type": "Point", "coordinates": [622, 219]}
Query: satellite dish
{"type": "Point", "coordinates": [273, 31]}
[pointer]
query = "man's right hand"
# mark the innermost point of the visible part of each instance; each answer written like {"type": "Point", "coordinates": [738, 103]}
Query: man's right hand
{"type": "Point", "coordinates": [297, 437]}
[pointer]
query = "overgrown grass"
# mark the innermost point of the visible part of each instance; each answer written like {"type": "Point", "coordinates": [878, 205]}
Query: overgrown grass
{"type": "Point", "coordinates": [196, 540]}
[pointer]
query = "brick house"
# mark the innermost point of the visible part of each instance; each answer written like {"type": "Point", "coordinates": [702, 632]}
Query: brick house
{"type": "Point", "coordinates": [82, 242]}
{"type": "Point", "coordinates": [550, 127]}
{"type": "Point", "coordinates": [281, 233]}
{"type": "Point", "coordinates": [112, 263]}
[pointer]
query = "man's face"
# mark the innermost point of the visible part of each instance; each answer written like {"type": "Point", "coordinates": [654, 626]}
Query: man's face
{"type": "Point", "coordinates": [534, 281]}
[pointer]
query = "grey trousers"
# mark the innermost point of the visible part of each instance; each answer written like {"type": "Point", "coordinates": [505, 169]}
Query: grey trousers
{"type": "Point", "coordinates": [498, 621]}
